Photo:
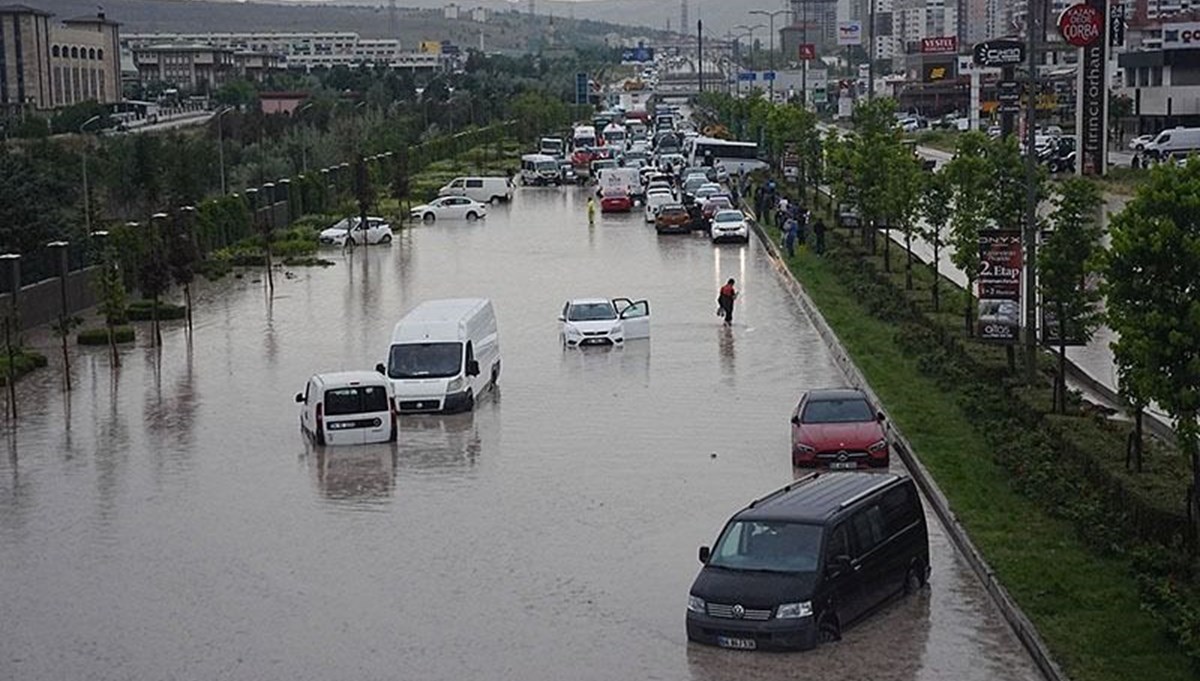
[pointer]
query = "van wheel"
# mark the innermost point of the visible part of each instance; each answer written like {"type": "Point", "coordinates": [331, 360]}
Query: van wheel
{"type": "Point", "coordinates": [472, 215]}
{"type": "Point", "coordinates": [828, 630]}
{"type": "Point", "coordinates": [914, 579]}
{"type": "Point", "coordinates": [494, 200]}
{"type": "Point", "coordinates": [392, 435]}
{"type": "Point", "coordinates": [470, 401]}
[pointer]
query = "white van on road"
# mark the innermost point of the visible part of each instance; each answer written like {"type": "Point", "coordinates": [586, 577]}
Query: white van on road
{"type": "Point", "coordinates": [1177, 142]}
{"type": "Point", "coordinates": [347, 408]}
{"type": "Point", "coordinates": [481, 189]}
{"type": "Point", "coordinates": [444, 354]}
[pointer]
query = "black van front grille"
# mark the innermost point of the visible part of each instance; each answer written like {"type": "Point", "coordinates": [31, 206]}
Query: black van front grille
{"type": "Point", "coordinates": [727, 612]}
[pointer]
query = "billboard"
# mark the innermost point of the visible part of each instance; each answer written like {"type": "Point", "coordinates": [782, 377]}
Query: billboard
{"type": "Point", "coordinates": [637, 55]}
{"type": "Point", "coordinates": [998, 286]}
{"type": "Point", "coordinates": [1182, 35]}
{"type": "Point", "coordinates": [946, 44]}
{"type": "Point", "coordinates": [849, 33]}
{"type": "Point", "coordinates": [936, 72]}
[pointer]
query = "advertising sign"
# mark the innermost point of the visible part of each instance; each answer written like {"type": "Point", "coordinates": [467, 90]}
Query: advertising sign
{"type": "Point", "coordinates": [747, 75]}
{"type": "Point", "coordinates": [849, 33]}
{"type": "Point", "coordinates": [1000, 53]}
{"type": "Point", "coordinates": [808, 51]}
{"type": "Point", "coordinates": [637, 55]}
{"type": "Point", "coordinates": [937, 72]}
{"type": "Point", "coordinates": [791, 165]}
{"type": "Point", "coordinates": [1116, 26]}
{"type": "Point", "coordinates": [939, 45]}
{"type": "Point", "coordinates": [1185, 34]}
{"type": "Point", "coordinates": [998, 286]}
{"type": "Point", "coordinates": [582, 88]}
{"type": "Point", "coordinates": [1081, 25]}
{"type": "Point", "coordinates": [1008, 93]}
{"type": "Point", "coordinates": [1090, 114]}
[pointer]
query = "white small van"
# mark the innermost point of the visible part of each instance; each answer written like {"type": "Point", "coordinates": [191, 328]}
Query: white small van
{"type": "Point", "coordinates": [540, 170]}
{"type": "Point", "coordinates": [481, 189]}
{"type": "Point", "coordinates": [347, 408]}
{"type": "Point", "coordinates": [444, 354]}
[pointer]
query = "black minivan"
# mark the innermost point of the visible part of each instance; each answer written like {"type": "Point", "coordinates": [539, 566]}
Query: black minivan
{"type": "Point", "coordinates": [804, 562]}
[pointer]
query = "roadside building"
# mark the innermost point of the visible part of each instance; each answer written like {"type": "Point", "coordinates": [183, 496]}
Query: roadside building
{"type": "Point", "coordinates": [44, 65]}
{"type": "Point", "coordinates": [1164, 81]}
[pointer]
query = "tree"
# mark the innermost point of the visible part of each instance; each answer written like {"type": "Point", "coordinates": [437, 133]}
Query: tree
{"type": "Point", "coordinates": [239, 93]}
{"type": "Point", "coordinates": [154, 275]}
{"type": "Point", "coordinates": [112, 297]}
{"type": "Point", "coordinates": [875, 136]}
{"type": "Point", "coordinates": [969, 177]}
{"type": "Point", "coordinates": [1151, 277]}
{"type": "Point", "coordinates": [1065, 263]}
{"type": "Point", "coordinates": [905, 183]}
{"type": "Point", "coordinates": [182, 255]}
{"type": "Point", "coordinates": [936, 207]}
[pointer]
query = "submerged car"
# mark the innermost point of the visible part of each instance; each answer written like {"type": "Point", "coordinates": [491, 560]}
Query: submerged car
{"type": "Point", "coordinates": [375, 231]}
{"type": "Point", "coordinates": [672, 218]}
{"type": "Point", "coordinates": [600, 321]}
{"type": "Point", "coordinates": [615, 201]}
{"type": "Point", "coordinates": [730, 225]}
{"type": "Point", "coordinates": [449, 207]}
{"type": "Point", "coordinates": [839, 429]}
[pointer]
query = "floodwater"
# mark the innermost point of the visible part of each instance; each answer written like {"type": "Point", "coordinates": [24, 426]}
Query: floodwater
{"type": "Point", "coordinates": [168, 521]}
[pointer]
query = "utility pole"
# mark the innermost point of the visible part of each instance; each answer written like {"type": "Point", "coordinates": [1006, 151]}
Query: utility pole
{"type": "Point", "coordinates": [1032, 26]}
{"type": "Point", "coordinates": [771, 21]}
{"type": "Point", "coordinates": [700, 52]}
{"type": "Point", "coordinates": [871, 51]}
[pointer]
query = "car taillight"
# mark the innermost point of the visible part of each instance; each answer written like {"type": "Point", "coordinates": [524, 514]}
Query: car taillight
{"type": "Point", "coordinates": [320, 419]}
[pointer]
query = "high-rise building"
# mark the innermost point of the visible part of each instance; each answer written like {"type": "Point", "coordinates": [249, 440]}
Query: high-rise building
{"type": "Point", "coordinates": [44, 65]}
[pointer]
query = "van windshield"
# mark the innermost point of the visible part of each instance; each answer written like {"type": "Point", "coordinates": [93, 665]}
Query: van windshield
{"type": "Point", "coordinates": [773, 546]}
{"type": "Point", "coordinates": [355, 400]}
{"type": "Point", "coordinates": [425, 360]}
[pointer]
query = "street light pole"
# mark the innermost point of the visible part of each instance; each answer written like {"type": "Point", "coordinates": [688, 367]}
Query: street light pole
{"type": "Point", "coordinates": [87, 203]}
{"type": "Point", "coordinates": [771, 40]}
{"type": "Point", "coordinates": [871, 53]}
{"type": "Point", "coordinates": [221, 145]}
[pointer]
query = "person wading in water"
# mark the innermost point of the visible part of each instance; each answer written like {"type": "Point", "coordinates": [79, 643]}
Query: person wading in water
{"type": "Point", "coordinates": [725, 299]}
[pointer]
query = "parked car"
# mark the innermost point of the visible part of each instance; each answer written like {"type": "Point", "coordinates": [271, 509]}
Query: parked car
{"type": "Point", "coordinates": [615, 200]}
{"type": "Point", "coordinates": [704, 191]}
{"type": "Point", "coordinates": [347, 408]}
{"type": "Point", "coordinates": [714, 204]}
{"type": "Point", "coordinates": [660, 186]}
{"type": "Point", "coordinates": [730, 225]}
{"type": "Point", "coordinates": [449, 208]}
{"type": "Point", "coordinates": [803, 563]}
{"type": "Point", "coordinates": [600, 321]}
{"type": "Point", "coordinates": [1139, 143]}
{"type": "Point", "coordinates": [840, 429]}
{"type": "Point", "coordinates": [655, 200]}
{"type": "Point", "coordinates": [672, 218]}
{"type": "Point", "coordinates": [375, 231]}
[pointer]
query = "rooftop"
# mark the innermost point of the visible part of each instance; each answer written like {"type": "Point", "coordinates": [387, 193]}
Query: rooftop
{"type": "Point", "coordinates": [815, 498]}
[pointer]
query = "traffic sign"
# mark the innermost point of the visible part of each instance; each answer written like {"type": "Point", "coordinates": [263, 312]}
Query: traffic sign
{"type": "Point", "coordinates": [808, 51]}
{"type": "Point", "coordinates": [768, 75]}
{"type": "Point", "coordinates": [747, 75]}
{"type": "Point", "coordinates": [1000, 53]}
{"type": "Point", "coordinates": [1081, 25]}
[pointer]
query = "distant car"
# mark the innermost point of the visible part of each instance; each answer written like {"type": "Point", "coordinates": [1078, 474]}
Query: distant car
{"type": "Point", "coordinates": [599, 321]}
{"type": "Point", "coordinates": [675, 161]}
{"type": "Point", "coordinates": [838, 428]}
{"type": "Point", "coordinates": [701, 194]}
{"type": "Point", "coordinates": [615, 201]}
{"type": "Point", "coordinates": [714, 204]}
{"type": "Point", "coordinates": [663, 186]}
{"type": "Point", "coordinates": [718, 173]}
{"type": "Point", "coordinates": [730, 225]}
{"type": "Point", "coordinates": [909, 124]}
{"type": "Point", "coordinates": [1139, 143]}
{"type": "Point", "coordinates": [672, 218]}
{"type": "Point", "coordinates": [449, 208]}
{"type": "Point", "coordinates": [375, 231]}
{"type": "Point", "coordinates": [654, 201]}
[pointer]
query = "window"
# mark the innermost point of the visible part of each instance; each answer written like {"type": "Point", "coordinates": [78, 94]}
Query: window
{"type": "Point", "coordinates": [54, 51]}
{"type": "Point", "coordinates": [852, 410]}
{"type": "Point", "coordinates": [772, 546]}
{"type": "Point", "coordinates": [92, 54]}
{"type": "Point", "coordinates": [591, 312]}
{"type": "Point", "coordinates": [74, 53]}
{"type": "Point", "coordinates": [425, 360]}
{"type": "Point", "coordinates": [1156, 76]}
{"type": "Point", "coordinates": [356, 400]}
{"type": "Point", "coordinates": [475, 184]}
{"type": "Point", "coordinates": [839, 544]}
{"type": "Point", "coordinates": [867, 526]}
{"type": "Point", "coordinates": [100, 54]}
{"type": "Point", "coordinates": [898, 509]}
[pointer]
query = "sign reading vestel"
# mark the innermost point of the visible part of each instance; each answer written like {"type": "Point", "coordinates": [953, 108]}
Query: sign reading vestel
{"type": "Point", "coordinates": [998, 285]}
{"type": "Point", "coordinates": [1000, 53]}
{"type": "Point", "coordinates": [939, 45]}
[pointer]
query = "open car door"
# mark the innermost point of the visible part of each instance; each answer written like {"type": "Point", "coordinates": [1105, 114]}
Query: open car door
{"type": "Point", "coordinates": [635, 316]}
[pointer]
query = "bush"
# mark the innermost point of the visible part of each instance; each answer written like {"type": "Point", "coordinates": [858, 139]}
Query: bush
{"type": "Point", "coordinates": [121, 334]}
{"type": "Point", "coordinates": [143, 310]}
{"type": "Point", "coordinates": [24, 361]}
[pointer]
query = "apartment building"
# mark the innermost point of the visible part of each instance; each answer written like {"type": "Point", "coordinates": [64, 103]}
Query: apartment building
{"type": "Point", "coordinates": [303, 50]}
{"type": "Point", "coordinates": [44, 65]}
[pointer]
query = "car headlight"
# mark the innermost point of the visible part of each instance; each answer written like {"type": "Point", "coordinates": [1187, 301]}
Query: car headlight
{"type": "Point", "coordinates": [878, 446]}
{"type": "Point", "coordinates": [570, 330]}
{"type": "Point", "coordinates": [807, 449]}
{"type": "Point", "coordinates": [794, 610]}
{"type": "Point", "coordinates": [696, 604]}
{"type": "Point", "coordinates": [456, 384]}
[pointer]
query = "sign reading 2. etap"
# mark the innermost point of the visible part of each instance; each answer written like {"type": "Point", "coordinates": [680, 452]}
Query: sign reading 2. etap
{"type": "Point", "coordinates": [999, 53]}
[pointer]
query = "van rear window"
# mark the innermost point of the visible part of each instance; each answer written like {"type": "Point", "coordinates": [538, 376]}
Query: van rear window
{"type": "Point", "coordinates": [356, 400]}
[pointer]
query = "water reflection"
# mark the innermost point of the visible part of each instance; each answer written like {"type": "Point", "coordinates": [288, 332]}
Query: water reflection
{"type": "Point", "coordinates": [595, 365]}
{"type": "Point", "coordinates": [725, 345]}
{"type": "Point", "coordinates": [359, 474]}
{"type": "Point", "coordinates": [445, 444]}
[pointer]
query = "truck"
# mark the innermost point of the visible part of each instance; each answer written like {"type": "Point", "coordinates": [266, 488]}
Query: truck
{"type": "Point", "coordinates": [552, 146]}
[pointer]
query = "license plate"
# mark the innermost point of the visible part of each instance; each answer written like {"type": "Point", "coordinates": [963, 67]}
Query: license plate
{"type": "Point", "coordinates": [738, 643]}
{"type": "Point", "coordinates": [842, 465]}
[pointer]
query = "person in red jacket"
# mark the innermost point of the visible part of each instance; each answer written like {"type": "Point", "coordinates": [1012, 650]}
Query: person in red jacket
{"type": "Point", "coordinates": [725, 298]}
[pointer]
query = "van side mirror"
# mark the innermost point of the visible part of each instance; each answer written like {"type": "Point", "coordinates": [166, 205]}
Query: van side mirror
{"type": "Point", "coordinates": [880, 417]}
{"type": "Point", "coordinates": [300, 398]}
{"type": "Point", "coordinates": [705, 554]}
{"type": "Point", "coordinates": [381, 369]}
{"type": "Point", "coordinates": [473, 367]}
{"type": "Point", "coordinates": [837, 566]}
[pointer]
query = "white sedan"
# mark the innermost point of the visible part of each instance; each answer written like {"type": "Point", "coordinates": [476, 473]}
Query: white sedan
{"type": "Point", "coordinates": [1139, 143]}
{"type": "Point", "coordinates": [449, 207]}
{"type": "Point", "coordinates": [375, 231]}
{"type": "Point", "coordinates": [730, 225]}
{"type": "Point", "coordinates": [600, 321]}
{"type": "Point", "coordinates": [657, 198]}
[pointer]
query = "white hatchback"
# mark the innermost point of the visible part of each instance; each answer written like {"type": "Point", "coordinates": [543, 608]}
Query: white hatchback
{"type": "Point", "coordinates": [600, 321]}
{"type": "Point", "coordinates": [449, 207]}
{"type": "Point", "coordinates": [375, 231]}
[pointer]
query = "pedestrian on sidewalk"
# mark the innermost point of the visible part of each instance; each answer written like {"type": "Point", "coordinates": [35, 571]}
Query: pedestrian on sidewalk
{"type": "Point", "coordinates": [725, 298]}
{"type": "Point", "coordinates": [791, 230]}
{"type": "Point", "coordinates": [819, 233]}
{"type": "Point", "coordinates": [781, 212]}
{"type": "Point", "coordinates": [760, 195]}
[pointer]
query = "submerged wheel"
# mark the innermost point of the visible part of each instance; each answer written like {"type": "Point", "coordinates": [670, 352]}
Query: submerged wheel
{"type": "Point", "coordinates": [429, 217]}
{"type": "Point", "coordinates": [914, 579]}
{"type": "Point", "coordinates": [385, 239]}
{"type": "Point", "coordinates": [472, 215]}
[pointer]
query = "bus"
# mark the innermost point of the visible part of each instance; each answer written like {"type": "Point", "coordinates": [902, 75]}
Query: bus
{"type": "Point", "coordinates": [735, 156]}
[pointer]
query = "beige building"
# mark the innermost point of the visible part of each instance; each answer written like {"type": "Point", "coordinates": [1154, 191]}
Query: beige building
{"type": "Point", "coordinates": [195, 68]}
{"type": "Point", "coordinates": [45, 65]}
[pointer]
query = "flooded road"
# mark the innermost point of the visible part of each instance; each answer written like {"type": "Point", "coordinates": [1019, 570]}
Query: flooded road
{"type": "Point", "coordinates": [167, 521]}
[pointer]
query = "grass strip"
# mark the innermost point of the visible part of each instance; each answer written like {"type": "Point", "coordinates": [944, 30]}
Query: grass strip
{"type": "Point", "coordinates": [1085, 606]}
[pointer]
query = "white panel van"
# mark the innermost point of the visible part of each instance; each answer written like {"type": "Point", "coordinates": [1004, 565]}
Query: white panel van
{"type": "Point", "coordinates": [1174, 142]}
{"type": "Point", "coordinates": [347, 408]}
{"type": "Point", "coordinates": [481, 189]}
{"type": "Point", "coordinates": [444, 354]}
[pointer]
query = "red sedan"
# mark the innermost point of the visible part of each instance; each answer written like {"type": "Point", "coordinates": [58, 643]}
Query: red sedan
{"type": "Point", "coordinates": [615, 201]}
{"type": "Point", "coordinates": [838, 429]}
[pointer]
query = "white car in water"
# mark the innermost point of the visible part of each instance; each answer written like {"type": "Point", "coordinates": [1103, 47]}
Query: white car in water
{"type": "Point", "coordinates": [375, 231]}
{"type": "Point", "coordinates": [449, 208]}
{"type": "Point", "coordinates": [600, 321]}
{"type": "Point", "coordinates": [730, 225]}
{"type": "Point", "coordinates": [655, 199]}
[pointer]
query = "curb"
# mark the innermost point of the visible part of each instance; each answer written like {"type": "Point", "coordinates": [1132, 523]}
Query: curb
{"type": "Point", "coordinates": [1017, 621]}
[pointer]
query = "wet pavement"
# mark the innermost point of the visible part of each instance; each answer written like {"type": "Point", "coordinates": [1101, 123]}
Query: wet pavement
{"type": "Point", "coordinates": [167, 520]}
